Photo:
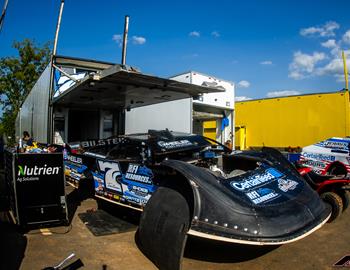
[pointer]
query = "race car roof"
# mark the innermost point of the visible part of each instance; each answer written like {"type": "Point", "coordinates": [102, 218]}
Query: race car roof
{"type": "Point", "coordinates": [120, 87]}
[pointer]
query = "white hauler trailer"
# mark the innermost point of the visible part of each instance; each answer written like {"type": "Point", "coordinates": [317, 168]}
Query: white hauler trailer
{"type": "Point", "coordinates": [210, 114]}
{"type": "Point", "coordinates": [89, 99]}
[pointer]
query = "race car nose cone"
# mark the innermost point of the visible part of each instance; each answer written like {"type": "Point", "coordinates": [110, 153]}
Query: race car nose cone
{"type": "Point", "coordinates": [274, 224]}
{"type": "Point", "coordinates": [293, 219]}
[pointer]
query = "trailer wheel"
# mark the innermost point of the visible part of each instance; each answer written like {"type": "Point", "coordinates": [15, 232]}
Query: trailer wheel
{"type": "Point", "coordinates": [345, 195]}
{"type": "Point", "coordinates": [336, 202]}
{"type": "Point", "coordinates": [162, 232]}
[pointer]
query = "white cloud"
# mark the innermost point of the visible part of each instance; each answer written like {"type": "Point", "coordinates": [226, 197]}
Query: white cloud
{"type": "Point", "coordinates": [215, 34]}
{"type": "Point", "coordinates": [243, 84]}
{"type": "Point", "coordinates": [194, 34]}
{"type": "Point", "coordinates": [335, 66]}
{"type": "Point", "coordinates": [330, 43]}
{"type": "Point", "coordinates": [242, 98]}
{"type": "Point", "coordinates": [138, 40]}
{"type": "Point", "coordinates": [303, 65]}
{"type": "Point", "coordinates": [326, 30]}
{"type": "Point", "coordinates": [329, 63]}
{"type": "Point", "coordinates": [282, 93]}
{"type": "Point", "coordinates": [118, 39]}
{"type": "Point", "coordinates": [266, 62]}
{"type": "Point", "coordinates": [346, 37]}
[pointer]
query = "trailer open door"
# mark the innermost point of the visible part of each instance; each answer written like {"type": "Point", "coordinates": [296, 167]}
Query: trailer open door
{"type": "Point", "coordinates": [113, 90]}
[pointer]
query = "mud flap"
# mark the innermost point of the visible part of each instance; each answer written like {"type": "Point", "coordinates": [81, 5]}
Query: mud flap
{"type": "Point", "coordinates": [162, 233]}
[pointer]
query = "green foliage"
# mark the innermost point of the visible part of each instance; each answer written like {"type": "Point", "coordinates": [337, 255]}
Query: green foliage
{"type": "Point", "coordinates": [7, 126]}
{"type": "Point", "coordinates": [17, 77]}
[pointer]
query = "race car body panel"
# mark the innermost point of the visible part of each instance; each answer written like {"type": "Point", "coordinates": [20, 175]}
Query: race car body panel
{"type": "Point", "coordinates": [264, 206]}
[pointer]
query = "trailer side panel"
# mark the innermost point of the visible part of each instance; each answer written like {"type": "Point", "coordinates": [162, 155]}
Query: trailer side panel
{"type": "Point", "coordinates": [34, 111]}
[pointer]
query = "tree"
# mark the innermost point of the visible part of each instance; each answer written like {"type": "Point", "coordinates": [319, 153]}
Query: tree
{"type": "Point", "coordinates": [17, 77]}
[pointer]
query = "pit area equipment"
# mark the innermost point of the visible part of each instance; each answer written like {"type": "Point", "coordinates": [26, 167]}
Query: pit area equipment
{"type": "Point", "coordinates": [36, 188]}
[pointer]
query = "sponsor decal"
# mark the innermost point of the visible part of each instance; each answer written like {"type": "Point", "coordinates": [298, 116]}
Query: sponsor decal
{"type": "Point", "coordinates": [111, 172]}
{"type": "Point", "coordinates": [336, 144]}
{"type": "Point", "coordinates": [86, 144]}
{"type": "Point", "coordinates": [318, 171]}
{"type": "Point", "coordinates": [262, 195]}
{"type": "Point", "coordinates": [256, 180]}
{"type": "Point", "coordinates": [135, 199]}
{"type": "Point", "coordinates": [26, 173]}
{"type": "Point", "coordinates": [99, 183]}
{"type": "Point", "coordinates": [45, 170]}
{"type": "Point", "coordinates": [318, 156]}
{"type": "Point", "coordinates": [75, 159]}
{"type": "Point", "coordinates": [286, 184]}
{"type": "Point", "coordinates": [174, 144]}
{"type": "Point", "coordinates": [138, 173]}
{"type": "Point", "coordinates": [315, 163]}
{"type": "Point", "coordinates": [139, 191]}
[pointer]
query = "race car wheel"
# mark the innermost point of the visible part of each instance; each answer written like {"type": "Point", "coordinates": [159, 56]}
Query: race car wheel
{"type": "Point", "coordinates": [336, 202]}
{"type": "Point", "coordinates": [87, 186]}
{"type": "Point", "coordinates": [345, 195]}
{"type": "Point", "coordinates": [162, 232]}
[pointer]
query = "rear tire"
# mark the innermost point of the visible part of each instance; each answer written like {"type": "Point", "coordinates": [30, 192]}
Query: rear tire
{"type": "Point", "coordinates": [336, 202]}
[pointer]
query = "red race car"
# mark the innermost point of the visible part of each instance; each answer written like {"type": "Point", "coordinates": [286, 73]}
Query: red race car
{"type": "Point", "coordinates": [332, 189]}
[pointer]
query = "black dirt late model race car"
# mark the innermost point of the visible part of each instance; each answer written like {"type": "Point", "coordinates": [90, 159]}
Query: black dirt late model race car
{"type": "Point", "coordinates": [189, 185]}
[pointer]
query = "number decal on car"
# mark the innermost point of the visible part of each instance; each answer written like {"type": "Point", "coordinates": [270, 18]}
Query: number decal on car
{"type": "Point", "coordinates": [111, 171]}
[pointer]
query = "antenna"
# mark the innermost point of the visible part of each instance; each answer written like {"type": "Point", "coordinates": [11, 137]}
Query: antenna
{"type": "Point", "coordinates": [51, 89]}
{"type": "Point", "coordinates": [58, 28]}
{"type": "Point", "coordinates": [125, 39]}
{"type": "Point", "coordinates": [345, 71]}
{"type": "Point", "coordinates": [2, 18]}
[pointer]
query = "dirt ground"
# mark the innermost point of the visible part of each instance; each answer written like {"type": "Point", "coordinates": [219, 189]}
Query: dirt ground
{"type": "Point", "coordinates": [36, 249]}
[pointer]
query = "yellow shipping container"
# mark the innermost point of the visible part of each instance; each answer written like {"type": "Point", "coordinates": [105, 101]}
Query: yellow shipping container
{"type": "Point", "coordinates": [293, 121]}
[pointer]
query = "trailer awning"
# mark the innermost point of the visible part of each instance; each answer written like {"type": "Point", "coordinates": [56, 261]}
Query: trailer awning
{"type": "Point", "coordinates": [116, 87]}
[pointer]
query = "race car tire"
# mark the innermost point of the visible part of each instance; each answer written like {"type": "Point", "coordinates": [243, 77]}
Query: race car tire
{"type": "Point", "coordinates": [336, 202]}
{"type": "Point", "coordinates": [162, 232]}
{"type": "Point", "coordinates": [345, 195]}
{"type": "Point", "coordinates": [87, 186]}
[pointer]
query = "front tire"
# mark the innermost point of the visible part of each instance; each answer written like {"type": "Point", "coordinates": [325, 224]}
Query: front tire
{"type": "Point", "coordinates": [336, 202]}
{"type": "Point", "coordinates": [162, 232]}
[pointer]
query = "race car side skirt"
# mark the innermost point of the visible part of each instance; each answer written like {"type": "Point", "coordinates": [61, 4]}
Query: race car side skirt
{"type": "Point", "coordinates": [255, 242]}
{"type": "Point", "coordinates": [119, 203]}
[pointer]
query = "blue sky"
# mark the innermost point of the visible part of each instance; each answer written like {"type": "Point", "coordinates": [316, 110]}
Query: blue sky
{"type": "Point", "coordinates": [267, 48]}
